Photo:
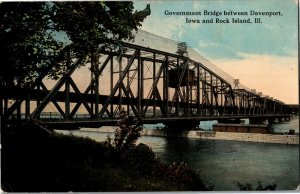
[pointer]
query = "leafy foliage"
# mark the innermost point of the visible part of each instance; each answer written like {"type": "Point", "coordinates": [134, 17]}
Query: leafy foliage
{"type": "Point", "coordinates": [56, 163]}
{"type": "Point", "coordinates": [140, 160]}
{"type": "Point", "coordinates": [26, 42]}
{"type": "Point", "coordinates": [62, 163]}
{"type": "Point", "coordinates": [126, 134]}
{"type": "Point", "coordinates": [32, 34]}
{"type": "Point", "coordinates": [90, 24]}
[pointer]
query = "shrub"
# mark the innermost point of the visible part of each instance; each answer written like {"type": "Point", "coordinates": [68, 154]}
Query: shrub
{"type": "Point", "coordinates": [182, 173]}
{"type": "Point", "coordinates": [140, 159]}
{"type": "Point", "coordinates": [126, 134]}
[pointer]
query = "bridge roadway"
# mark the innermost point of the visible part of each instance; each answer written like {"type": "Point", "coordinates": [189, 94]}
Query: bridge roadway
{"type": "Point", "coordinates": [182, 122]}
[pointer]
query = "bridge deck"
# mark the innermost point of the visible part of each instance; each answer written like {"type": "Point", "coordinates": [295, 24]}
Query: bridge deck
{"type": "Point", "coordinates": [153, 120]}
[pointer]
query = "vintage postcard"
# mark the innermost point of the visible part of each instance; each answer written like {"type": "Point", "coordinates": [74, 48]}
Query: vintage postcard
{"type": "Point", "coordinates": [119, 96]}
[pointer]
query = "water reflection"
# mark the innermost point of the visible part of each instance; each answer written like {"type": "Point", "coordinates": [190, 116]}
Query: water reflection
{"type": "Point", "coordinates": [224, 163]}
{"type": "Point", "coordinates": [227, 162]}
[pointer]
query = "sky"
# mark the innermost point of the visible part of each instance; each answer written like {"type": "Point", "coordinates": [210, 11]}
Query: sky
{"type": "Point", "coordinates": [263, 56]}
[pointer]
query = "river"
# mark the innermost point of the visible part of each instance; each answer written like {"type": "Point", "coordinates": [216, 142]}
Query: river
{"type": "Point", "coordinates": [225, 163]}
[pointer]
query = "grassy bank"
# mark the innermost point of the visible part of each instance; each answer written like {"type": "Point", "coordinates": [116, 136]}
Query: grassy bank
{"type": "Point", "coordinates": [34, 160]}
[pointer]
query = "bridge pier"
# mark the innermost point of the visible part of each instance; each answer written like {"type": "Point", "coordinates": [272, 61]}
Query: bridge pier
{"type": "Point", "coordinates": [230, 121]}
{"type": "Point", "coordinates": [277, 119]}
{"type": "Point", "coordinates": [175, 128]}
{"type": "Point", "coordinates": [258, 121]}
{"type": "Point", "coordinates": [181, 125]}
{"type": "Point", "coordinates": [272, 120]}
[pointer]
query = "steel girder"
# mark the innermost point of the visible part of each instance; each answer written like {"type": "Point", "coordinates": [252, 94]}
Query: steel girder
{"type": "Point", "coordinates": [140, 84]}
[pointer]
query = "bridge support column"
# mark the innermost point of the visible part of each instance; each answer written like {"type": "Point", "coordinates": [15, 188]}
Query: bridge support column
{"type": "Point", "coordinates": [5, 108]}
{"type": "Point", "coordinates": [1, 105]}
{"type": "Point", "coordinates": [176, 128]}
{"type": "Point", "coordinates": [67, 89]}
{"type": "Point", "coordinates": [230, 121]}
{"type": "Point", "coordinates": [19, 112]}
{"type": "Point", "coordinates": [27, 106]}
{"type": "Point", "coordinates": [258, 121]}
{"type": "Point", "coordinates": [273, 120]}
{"type": "Point", "coordinates": [95, 66]}
{"type": "Point", "coordinates": [281, 119]}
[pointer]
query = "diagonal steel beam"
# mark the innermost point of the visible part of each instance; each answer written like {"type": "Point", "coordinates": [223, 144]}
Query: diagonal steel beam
{"type": "Point", "coordinates": [81, 97]}
{"type": "Point", "coordinates": [122, 76]}
{"type": "Point", "coordinates": [129, 84]}
{"type": "Point", "coordinates": [185, 65]}
{"type": "Point", "coordinates": [154, 85]}
{"type": "Point", "coordinates": [181, 95]}
{"type": "Point", "coordinates": [215, 93]}
{"type": "Point", "coordinates": [54, 102]}
{"type": "Point", "coordinates": [158, 96]}
{"type": "Point", "coordinates": [58, 85]}
{"type": "Point", "coordinates": [75, 109]}
{"type": "Point", "coordinates": [128, 95]}
{"type": "Point", "coordinates": [205, 99]}
{"type": "Point", "coordinates": [42, 75]}
{"type": "Point", "coordinates": [109, 57]}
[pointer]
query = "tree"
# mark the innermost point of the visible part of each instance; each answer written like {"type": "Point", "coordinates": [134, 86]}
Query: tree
{"type": "Point", "coordinates": [90, 24]}
{"type": "Point", "coordinates": [26, 44]}
{"type": "Point", "coordinates": [32, 34]}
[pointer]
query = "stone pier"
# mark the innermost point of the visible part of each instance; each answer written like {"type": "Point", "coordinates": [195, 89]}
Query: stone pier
{"type": "Point", "coordinates": [175, 128]}
{"type": "Point", "coordinates": [259, 121]}
{"type": "Point", "coordinates": [229, 121]}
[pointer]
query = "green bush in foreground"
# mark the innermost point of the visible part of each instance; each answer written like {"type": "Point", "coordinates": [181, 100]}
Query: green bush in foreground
{"type": "Point", "coordinates": [34, 160]}
{"type": "Point", "coordinates": [140, 159]}
{"type": "Point", "coordinates": [126, 134]}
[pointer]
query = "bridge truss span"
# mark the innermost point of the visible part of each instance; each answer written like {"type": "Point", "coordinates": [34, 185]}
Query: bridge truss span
{"type": "Point", "coordinates": [146, 82]}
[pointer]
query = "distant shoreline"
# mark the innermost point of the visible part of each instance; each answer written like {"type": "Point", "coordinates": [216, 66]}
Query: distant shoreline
{"type": "Point", "coordinates": [228, 136]}
{"type": "Point", "coordinates": [232, 136]}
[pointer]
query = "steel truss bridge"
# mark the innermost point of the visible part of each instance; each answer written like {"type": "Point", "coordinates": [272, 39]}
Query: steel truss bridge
{"type": "Point", "coordinates": [150, 84]}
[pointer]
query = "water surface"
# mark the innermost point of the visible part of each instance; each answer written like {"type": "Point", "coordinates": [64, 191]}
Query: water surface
{"type": "Point", "coordinates": [224, 163]}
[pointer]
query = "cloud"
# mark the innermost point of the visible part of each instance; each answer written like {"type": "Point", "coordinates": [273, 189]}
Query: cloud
{"type": "Point", "coordinates": [263, 56]}
{"type": "Point", "coordinates": [276, 76]}
{"type": "Point", "coordinates": [196, 5]}
{"type": "Point", "coordinates": [217, 50]}
{"type": "Point", "coordinates": [169, 27]}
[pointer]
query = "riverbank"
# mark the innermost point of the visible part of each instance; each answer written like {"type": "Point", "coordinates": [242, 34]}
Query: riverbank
{"type": "Point", "coordinates": [231, 136]}
{"type": "Point", "coordinates": [37, 160]}
{"type": "Point", "coordinates": [249, 162]}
